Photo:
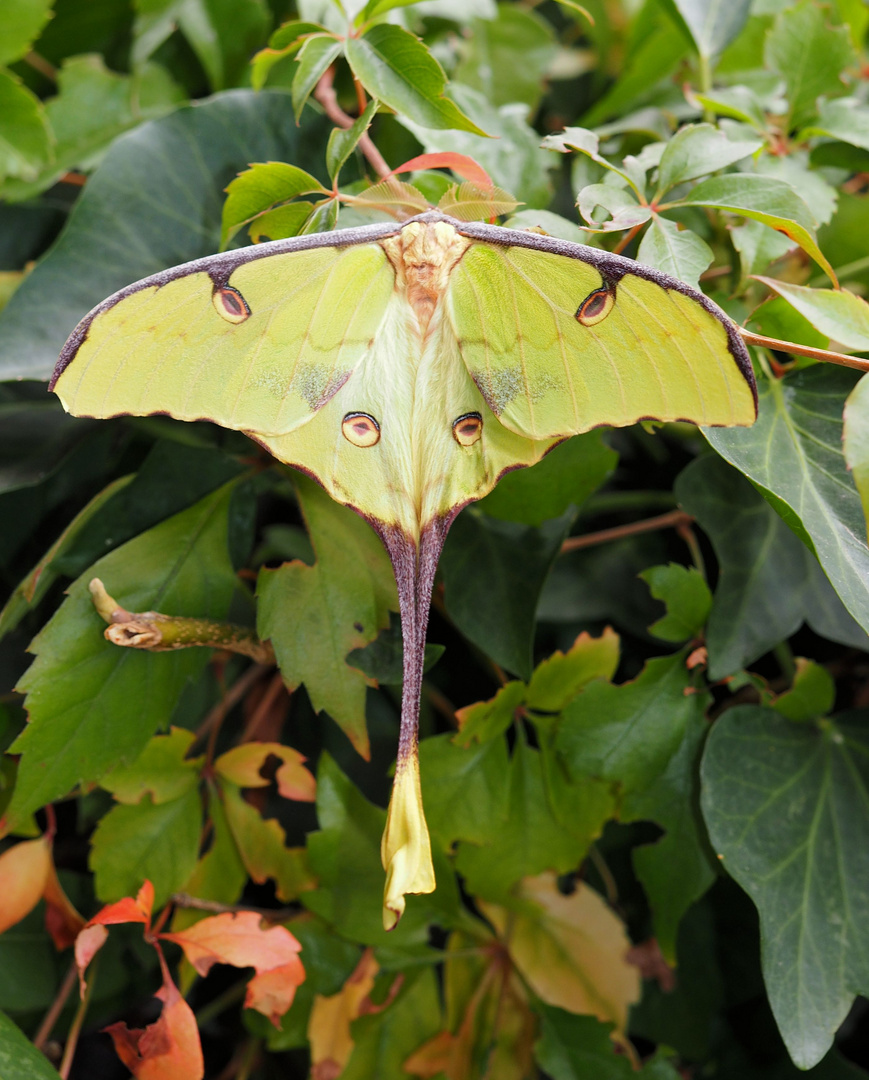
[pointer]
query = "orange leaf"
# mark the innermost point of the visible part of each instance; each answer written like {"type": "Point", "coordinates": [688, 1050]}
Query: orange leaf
{"type": "Point", "coordinates": [24, 870]}
{"type": "Point", "coordinates": [93, 937]}
{"type": "Point", "coordinates": [87, 945]}
{"type": "Point", "coordinates": [460, 164]}
{"type": "Point", "coordinates": [238, 939]}
{"type": "Point", "coordinates": [168, 1049]}
{"type": "Point", "coordinates": [243, 764]}
{"type": "Point", "coordinates": [62, 920]}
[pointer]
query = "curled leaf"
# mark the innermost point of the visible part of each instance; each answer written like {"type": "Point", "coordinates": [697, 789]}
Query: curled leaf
{"type": "Point", "coordinates": [405, 850]}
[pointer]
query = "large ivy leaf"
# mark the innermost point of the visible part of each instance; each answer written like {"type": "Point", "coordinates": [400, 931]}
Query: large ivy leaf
{"type": "Point", "coordinates": [794, 455]}
{"type": "Point", "coordinates": [315, 615]}
{"type": "Point", "coordinates": [493, 574]}
{"type": "Point", "coordinates": [120, 230]}
{"type": "Point", "coordinates": [787, 807]}
{"type": "Point", "coordinates": [80, 687]}
{"type": "Point", "coordinates": [769, 582]}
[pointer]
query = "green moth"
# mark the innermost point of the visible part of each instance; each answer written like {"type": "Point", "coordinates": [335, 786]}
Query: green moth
{"type": "Point", "coordinates": [407, 367]}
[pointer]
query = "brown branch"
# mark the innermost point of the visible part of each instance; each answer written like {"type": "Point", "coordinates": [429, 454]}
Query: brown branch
{"type": "Point", "coordinates": [804, 350]}
{"type": "Point", "coordinates": [325, 94]}
{"type": "Point", "coordinates": [40, 64]}
{"type": "Point", "coordinates": [56, 1008]}
{"type": "Point", "coordinates": [184, 900]}
{"type": "Point", "coordinates": [263, 708]}
{"type": "Point", "coordinates": [232, 697]}
{"type": "Point", "coordinates": [671, 520]}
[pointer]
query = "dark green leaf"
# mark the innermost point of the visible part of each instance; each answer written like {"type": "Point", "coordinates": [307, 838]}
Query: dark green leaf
{"type": "Point", "coordinates": [383, 659]}
{"type": "Point", "coordinates": [580, 1048]}
{"type": "Point", "coordinates": [793, 454]}
{"type": "Point", "coordinates": [628, 733]}
{"type": "Point", "coordinates": [464, 790]}
{"type": "Point", "coordinates": [812, 695]}
{"type": "Point", "coordinates": [19, 1058]}
{"type": "Point", "coordinates": [118, 232]}
{"type": "Point", "coordinates": [697, 150]}
{"type": "Point", "coordinates": [764, 591]}
{"type": "Point", "coordinates": [786, 808]}
{"type": "Point", "coordinates": [564, 478]}
{"type": "Point", "coordinates": [80, 686]}
{"type": "Point", "coordinates": [395, 67]}
{"type": "Point", "coordinates": [493, 573]}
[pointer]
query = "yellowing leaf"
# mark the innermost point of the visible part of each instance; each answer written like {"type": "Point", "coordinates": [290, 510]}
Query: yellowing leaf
{"type": "Point", "coordinates": [242, 765]}
{"type": "Point", "coordinates": [559, 678]}
{"type": "Point", "coordinates": [570, 949]}
{"type": "Point", "coordinates": [329, 1023]}
{"type": "Point", "coordinates": [24, 870]}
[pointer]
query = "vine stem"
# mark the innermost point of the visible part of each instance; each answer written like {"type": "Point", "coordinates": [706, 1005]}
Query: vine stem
{"type": "Point", "coordinates": [232, 697]}
{"type": "Point", "coordinates": [325, 94]}
{"type": "Point", "coordinates": [56, 1008]}
{"type": "Point", "coordinates": [675, 519]}
{"type": "Point", "coordinates": [76, 1026]}
{"type": "Point", "coordinates": [803, 350]}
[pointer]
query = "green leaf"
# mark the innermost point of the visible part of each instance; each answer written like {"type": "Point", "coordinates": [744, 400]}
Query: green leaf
{"type": "Point", "coordinates": [260, 188]}
{"type": "Point", "coordinates": [493, 573]}
{"type": "Point", "coordinates": [397, 69]}
{"type": "Point", "coordinates": [345, 856]}
{"type": "Point", "coordinates": [676, 251]}
{"type": "Point", "coordinates": [488, 61]}
{"type": "Point", "coordinates": [766, 199]}
{"type": "Point", "coordinates": [281, 222]}
{"type": "Point", "coordinates": [80, 686]}
{"type": "Point", "coordinates": [793, 454]}
{"type": "Point", "coordinates": [621, 204]}
{"type": "Point", "coordinates": [837, 313]}
{"type": "Point", "coordinates": [628, 733]}
{"type": "Point", "coordinates": [843, 118]}
{"type": "Point", "coordinates": [25, 139]}
{"type": "Point", "coordinates": [574, 1047]}
{"type": "Point", "coordinates": [855, 441]}
{"type": "Point", "coordinates": [687, 597]}
{"type": "Point", "coordinates": [786, 808]}
{"type": "Point", "coordinates": [23, 21]}
{"type": "Point", "coordinates": [531, 839]}
{"type": "Point", "coordinates": [203, 147]}
{"type": "Point", "coordinates": [315, 615]}
{"type": "Point", "coordinates": [343, 141]}
{"type": "Point", "coordinates": [130, 846]}
{"type": "Point", "coordinates": [220, 874]}
{"type": "Point", "coordinates": [19, 1058]}
{"type": "Point", "coordinates": [677, 869]}
{"type": "Point", "coordinates": [375, 8]}
{"type": "Point", "coordinates": [587, 143]}
{"type": "Point", "coordinates": [486, 720]}
{"type": "Point", "coordinates": [465, 789]}
{"type": "Point", "coordinates": [812, 695]}
{"type": "Point", "coordinates": [697, 150]}
{"type": "Point", "coordinates": [513, 156]}
{"type": "Point", "coordinates": [160, 771]}
{"type": "Point", "coordinates": [285, 41]}
{"type": "Point", "coordinates": [383, 659]}
{"type": "Point", "coordinates": [758, 246]}
{"type": "Point", "coordinates": [769, 582]}
{"type": "Point", "coordinates": [385, 1039]}
{"type": "Point", "coordinates": [317, 54]}
{"type": "Point", "coordinates": [561, 676]}
{"type": "Point", "coordinates": [565, 477]}
{"type": "Point", "coordinates": [738, 102]}
{"type": "Point", "coordinates": [713, 25]}
{"type": "Point", "coordinates": [809, 55]}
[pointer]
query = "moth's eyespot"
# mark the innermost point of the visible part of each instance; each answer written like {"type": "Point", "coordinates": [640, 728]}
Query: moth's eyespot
{"type": "Point", "coordinates": [468, 429]}
{"type": "Point", "coordinates": [230, 304]}
{"type": "Point", "coordinates": [595, 307]}
{"type": "Point", "coordinates": [360, 429]}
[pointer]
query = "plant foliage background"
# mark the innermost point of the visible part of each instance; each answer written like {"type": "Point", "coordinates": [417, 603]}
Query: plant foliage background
{"type": "Point", "coordinates": [646, 740]}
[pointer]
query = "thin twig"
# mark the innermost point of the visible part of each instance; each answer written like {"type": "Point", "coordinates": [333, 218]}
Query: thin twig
{"type": "Point", "coordinates": [674, 519]}
{"type": "Point", "coordinates": [184, 900]}
{"type": "Point", "coordinates": [76, 1026]}
{"type": "Point", "coordinates": [56, 1007]}
{"type": "Point", "coordinates": [609, 882]}
{"type": "Point", "coordinates": [232, 697]}
{"type": "Point", "coordinates": [325, 94]}
{"type": "Point", "coordinates": [40, 64]}
{"type": "Point", "coordinates": [804, 350]}
{"type": "Point", "coordinates": [262, 710]}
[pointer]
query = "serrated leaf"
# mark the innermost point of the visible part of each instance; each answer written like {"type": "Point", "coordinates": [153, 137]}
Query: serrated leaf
{"type": "Point", "coordinates": [315, 56]}
{"type": "Point", "coordinates": [161, 771]}
{"type": "Point", "coordinates": [676, 251]}
{"type": "Point", "coordinates": [23, 21]}
{"type": "Point", "coordinates": [394, 194]}
{"type": "Point", "coordinates": [129, 846]}
{"type": "Point", "coordinates": [383, 59]}
{"type": "Point", "coordinates": [80, 687]}
{"type": "Point", "coordinates": [312, 614]}
{"type": "Point", "coordinates": [561, 676]}
{"type": "Point", "coordinates": [259, 188]}
{"type": "Point", "coordinates": [468, 202]}
{"type": "Point", "coordinates": [810, 56]}
{"type": "Point", "coordinates": [786, 808]}
{"type": "Point", "coordinates": [466, 789]}
{"type": "Point", "coordinates": [793, 454]}
{"type": "Point", "coordinates": [285, 41]}
{"type": "Point", "coordinates": [697, 150]}
{"type": "Point", "coordinates": [713, 25]}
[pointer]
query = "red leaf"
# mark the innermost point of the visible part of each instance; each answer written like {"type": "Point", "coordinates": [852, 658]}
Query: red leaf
{"type": "Point", "coordinates": [128, 909]}
{"type": "Point", "coordinates": [239, 939]}
{"type": "Point", "coordinates": [460, 164]}
{"type": "Point", "coordinates": [168, 1049]}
